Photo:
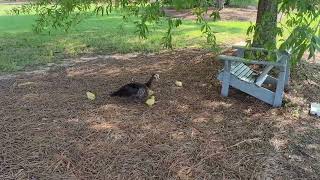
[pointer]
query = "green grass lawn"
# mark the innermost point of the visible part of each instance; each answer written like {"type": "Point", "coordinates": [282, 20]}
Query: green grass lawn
{"type": "Point", "coordinates": [20, 47]}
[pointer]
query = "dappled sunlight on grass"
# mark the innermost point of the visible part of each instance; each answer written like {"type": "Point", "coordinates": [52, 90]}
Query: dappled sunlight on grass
{"type": "Point", "coordinates": [96, 34]}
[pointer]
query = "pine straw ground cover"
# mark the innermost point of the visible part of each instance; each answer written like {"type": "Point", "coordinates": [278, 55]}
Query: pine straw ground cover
{"type": "Point", "coordinates": [49, 130]}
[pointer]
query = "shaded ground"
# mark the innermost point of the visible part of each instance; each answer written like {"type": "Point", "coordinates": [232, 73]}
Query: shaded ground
{"type": "Point", "coordinates": [49, 130]}
{"type": "Point", "coordinates": [227, 14]}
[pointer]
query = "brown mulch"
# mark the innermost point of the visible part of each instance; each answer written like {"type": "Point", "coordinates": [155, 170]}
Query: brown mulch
{"type": "Point", "coordinates": [226, 14]}
{"type": "Point", "coordinates": [50, 130]}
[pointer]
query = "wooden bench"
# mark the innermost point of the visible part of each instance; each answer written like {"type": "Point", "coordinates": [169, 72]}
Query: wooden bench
{"type": "Point", "coordinates": [238, 74]}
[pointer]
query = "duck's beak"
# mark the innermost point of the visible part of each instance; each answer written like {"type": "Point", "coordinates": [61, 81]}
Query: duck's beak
{"type": "Point", "coordinates": [157, 77]}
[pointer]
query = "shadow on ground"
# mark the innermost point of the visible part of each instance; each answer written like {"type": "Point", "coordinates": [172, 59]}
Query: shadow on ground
{"type": "Point", "coordinates": [50, 130]}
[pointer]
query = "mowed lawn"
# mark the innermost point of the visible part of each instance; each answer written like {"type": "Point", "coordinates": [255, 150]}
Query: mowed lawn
{"type": "Point", "coordinates": [20, 47]}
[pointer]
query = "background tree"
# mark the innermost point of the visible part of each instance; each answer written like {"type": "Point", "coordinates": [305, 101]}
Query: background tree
{"type": "Point", "coordinates": [220, 4]}
{"type": "Point", "coordinates": [266, 24]}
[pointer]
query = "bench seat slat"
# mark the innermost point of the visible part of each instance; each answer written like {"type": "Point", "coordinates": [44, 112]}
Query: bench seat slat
{"type": "Point", "coordinates": [240, 70]}
{"type": "Point", "coordinates": [236, 67]}
{"type": "Point", "coordinates": [243, 74]}
{"type": "Point", "coordinates": [248, 76]}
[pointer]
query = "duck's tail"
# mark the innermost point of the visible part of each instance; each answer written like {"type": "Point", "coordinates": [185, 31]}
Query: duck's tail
{"type": "Point", "coordinates": [116, 93]}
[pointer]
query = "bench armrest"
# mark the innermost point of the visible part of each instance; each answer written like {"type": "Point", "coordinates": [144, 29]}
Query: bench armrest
{"type": "Point", "coordinates": [248, 61]}
{"type": "Point", "coordinates": [251, 48]}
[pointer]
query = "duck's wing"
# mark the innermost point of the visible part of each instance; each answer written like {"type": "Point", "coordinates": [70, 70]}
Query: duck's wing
{"type": "Point", "coordinates": [128, 90]}
{"type": "Point", "coordinates": [137, 85]}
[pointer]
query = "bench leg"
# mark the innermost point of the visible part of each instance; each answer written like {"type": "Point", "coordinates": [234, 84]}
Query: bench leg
{"type": "Point", "coordinates": [226, 78]}
{"type": "Point", "coordinates": [280, 89]}
{"type": "Point", "coordinates": [286, 85]}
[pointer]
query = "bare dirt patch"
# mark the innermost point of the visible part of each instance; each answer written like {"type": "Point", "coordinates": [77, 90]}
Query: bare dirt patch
{"type": "Point", "coordinates": [49, 130]}
{"type": "Point", "coordinates": [227, 14]}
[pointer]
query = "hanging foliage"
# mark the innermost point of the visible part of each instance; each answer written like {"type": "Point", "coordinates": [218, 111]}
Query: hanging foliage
{"type": "Point", "coordinates": [298, 28]}
{"type": "Point", "coordinates": [300, 18]}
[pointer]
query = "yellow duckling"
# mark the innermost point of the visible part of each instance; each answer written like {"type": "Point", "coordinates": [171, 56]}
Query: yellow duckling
{"type": "Point", "coordinates": [91, 96]}
{"type": "Point", "coordinates": [178, 83]}
{"type": "Point", "coordinates": [150, 92]}
{"type": "Point", "coordinates": [151, 101]}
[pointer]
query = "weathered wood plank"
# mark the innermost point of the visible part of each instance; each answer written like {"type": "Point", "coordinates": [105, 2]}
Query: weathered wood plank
{"type": "Point", "coordinates": [248, 76]}
{"type": "Point", "coordinates": [248, 61]}
{"type": "Point", "coordinates": [264, 74]}
{"type": "Point", "coordinates": [241, 70]}
{"type": "Point", "coordinates": [244, 72]}
{"type": "Point", "coordinates": [237, 67]}
{"type": "Point", "coordinates": [253, 90]}
{"type": "Point", "coordinates": [288, 73]}
{"type": "Point", "coordinates": [251, 48]}
{"type": "Point", "coordinates": [226, 78]}
{"type": "Point", "coordinates": [280, 87]}
{"type": "Point", "coordinates": [249, 73]}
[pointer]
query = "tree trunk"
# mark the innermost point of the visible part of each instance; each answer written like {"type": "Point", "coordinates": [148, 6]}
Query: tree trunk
{"type": "Point", "coordinates": [265, 33]}
{"type": "Point", "coordinates": [220, 4]}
